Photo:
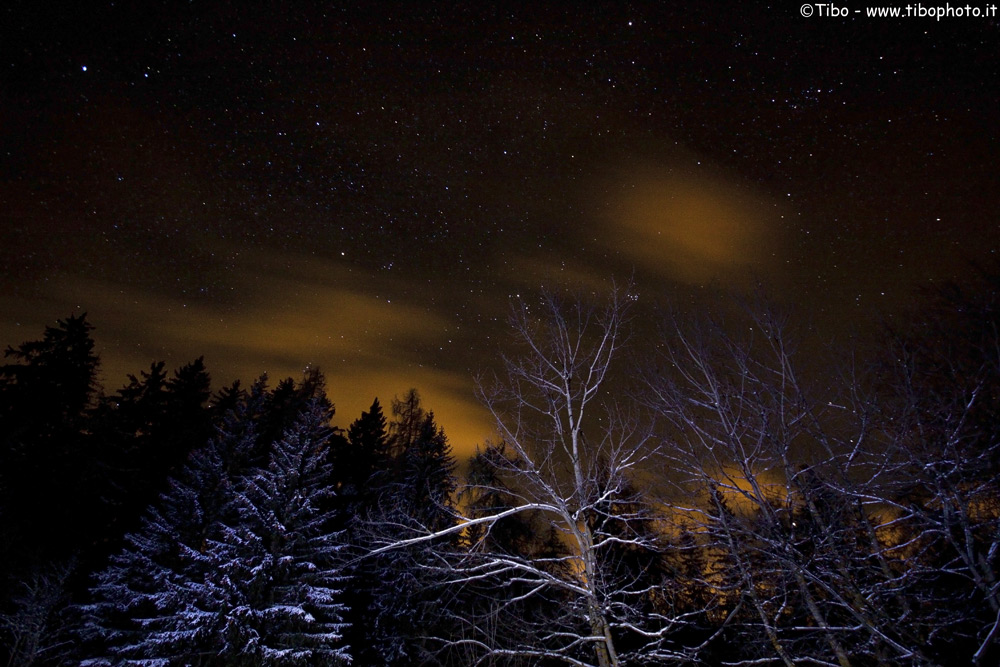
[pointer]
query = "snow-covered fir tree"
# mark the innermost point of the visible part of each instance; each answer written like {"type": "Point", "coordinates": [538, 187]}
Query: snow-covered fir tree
{"type": "Point", "coordinates": [277, 578]}
{"type": "Point", "coordinates": [236, 564]}
{"type": "Point", "coordinates": [147, 601]}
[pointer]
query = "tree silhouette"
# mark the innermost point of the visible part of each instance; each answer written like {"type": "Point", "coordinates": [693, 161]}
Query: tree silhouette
{"type": "Point", "coordinates": [47, 463]}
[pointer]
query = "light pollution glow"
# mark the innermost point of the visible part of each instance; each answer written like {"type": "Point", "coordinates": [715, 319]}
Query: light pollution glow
{"type": "Point", "coordinates": [294, 311]}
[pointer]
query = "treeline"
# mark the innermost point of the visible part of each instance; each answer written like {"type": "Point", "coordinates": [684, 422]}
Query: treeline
{"type": "Point", "coordinates": [165, 524]}
{"type": "Point", "coordinates": [703, 505]}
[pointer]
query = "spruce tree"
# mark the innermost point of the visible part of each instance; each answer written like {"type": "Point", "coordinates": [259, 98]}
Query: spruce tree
{"type": "Point", "coordinates": [144, 432]}
{"type": "Point", "coordinates": [150, 604]}
{"type": "Point", "coordinates": [47, 498]}
{"type": "Point", "coordinates": [364, 464]}
{"type": "Point", "coordinates": [364, 455]}
{"type": "Point", "coordinates": [418, 497]}
{"type": "Point", "coordinates": [238, 563]}
{"type": "Point", "coordinates": [276, 578]}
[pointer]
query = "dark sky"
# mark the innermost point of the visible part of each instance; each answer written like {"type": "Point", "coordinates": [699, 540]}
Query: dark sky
{"type": "Point", "coordinates": [363, 187]}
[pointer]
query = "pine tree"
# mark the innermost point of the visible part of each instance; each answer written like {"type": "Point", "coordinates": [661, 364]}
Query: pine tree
{"type": "Point", "coordinates": [237, 564]}
{"type": "Point", "coordinates": [361, 457]}
{"type": "Point", "coordinates": [276, 580]}
{"type": "Point", "coordinates": [189, 422]}
{"type": "Point", "coordinates": [46, 462]}
{"type": "Point", "coordinates": [364, 463]}
{"type": "Point", "coordinates": [150, 605]}
{"type": "Point", "coordinates": [144, 432]}
{"type": "Point", "coordinates": [418, 497]}
{"type": "Point", "coordinates": [426, 477]}
{"type": "Point", "coordinates": [54, 379]}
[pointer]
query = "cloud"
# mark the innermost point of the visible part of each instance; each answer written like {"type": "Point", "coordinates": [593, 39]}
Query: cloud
{"type": "Point", "coordinates": [691, 228]}
{"type": "Point", "coordinates": [310, 312]}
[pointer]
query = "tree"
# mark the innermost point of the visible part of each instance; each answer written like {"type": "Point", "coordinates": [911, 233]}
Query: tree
{"type": "Point", "coordinates": [45, 460]}
{"type": "Point", "coordinates": [424, 477]}
{"type": "Point", "coordinates": [500, 606]}
{"type": "Point", "coordinates": [276, 582]}
{"type": "Point", "coordinates": [35, 631]}
{"type": "Point", "coordinates": [361, 456]}
{"type": "Point", "coordinates": [145, 601]}
{"type": "Point", "coordinates": [238, 563]}
{"type": "Point", "coordinates": [363, 462]}
{"type": "Point", "coordinates": [570, 467]}
{"type": "Point", "coordinates": [410, 489]}
{"type": "Point", "coordinates": [785, 492]}
{"type": "Point", "coordinates": [143, 433]}
{"type": "Point", "coordinates": [53, 379]}
{"type": "Point", "coordinates": [940, 396]}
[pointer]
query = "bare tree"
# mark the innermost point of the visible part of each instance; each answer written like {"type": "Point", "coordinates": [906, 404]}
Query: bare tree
{"type": "Point", "coordinates": [33, 631]}
{"type": "Point", "coordinates": [941, 401]}
{"type": "Point", "coordinates": [572, 461]}
{"type": "Point", "coordinates": [783, 494]}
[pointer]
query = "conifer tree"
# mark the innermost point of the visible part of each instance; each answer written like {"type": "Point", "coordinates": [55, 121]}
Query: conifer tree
{"type": "Point", "coordinates": [150, 603]}
{"type": "Point", "coordinates": [426, 477]}
{"type": "Point", "coordinates": [144, 432]}
{"type": "Point", "coordinates": [276, 579]}
{"type": "Point", "coordinates": [46, 503]}
{"type": "Point", "coordinates": [364, 464]}
{"type": "Point", "coordinates": [363, 455]}
{"type": "Point", "coordinates": [238, 563]}
{"type": "Point", "coordinates": [413, 493]}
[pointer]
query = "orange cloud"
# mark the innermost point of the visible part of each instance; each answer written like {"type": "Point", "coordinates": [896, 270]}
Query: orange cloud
{"type": "Point", "coordinates": [366, 342]}
{"type": "Point", "coordinates": [690, 228]}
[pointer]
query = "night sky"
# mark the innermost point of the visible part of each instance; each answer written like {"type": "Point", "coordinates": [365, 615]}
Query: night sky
{"type": "Point", "coordinates": [363, 187]}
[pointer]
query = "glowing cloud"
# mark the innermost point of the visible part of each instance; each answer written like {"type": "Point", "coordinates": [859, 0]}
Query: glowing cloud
{"type": "Point", "coordinates": [315, 314]}
{"type": "Point", "coordinates": [690, 228]}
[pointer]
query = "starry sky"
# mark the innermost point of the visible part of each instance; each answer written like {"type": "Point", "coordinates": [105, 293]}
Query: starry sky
{"type": "Point", "coordinates": [363, 186]}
